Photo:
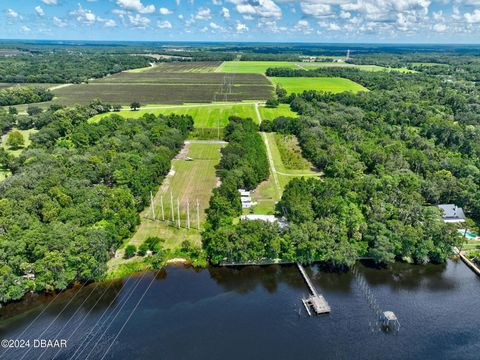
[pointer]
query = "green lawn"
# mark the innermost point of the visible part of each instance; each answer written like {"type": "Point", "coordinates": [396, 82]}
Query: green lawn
{"type": "Point", "coordinates": [26, 136]}
{"type": "Point", "coordinates": [328, 84]}
{"type": "Point", "coordinates": [260, 67]}
{"type": "Point", "coordinates": [255, 67]}
{"type": "Point", "coordinates": [205, 116]}
{"type": "Point", "coordinates": [272, 113]}
{"type": "Point", "coordinates": [268, 193]}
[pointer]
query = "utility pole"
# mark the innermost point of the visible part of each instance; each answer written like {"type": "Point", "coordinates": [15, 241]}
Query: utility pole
{"type": "Point", "coordinates": [188, 214]}
{"type": "Point", "coordinates": [152, 206]}
{"type": "Point", "coordinates": [178, 213]}
{"type": "Point", "coordinates": [161, 203]}
{"type": "Point", "coordinates": [198, 216]}
{"type": "Point", "coordinates": [172, 208]}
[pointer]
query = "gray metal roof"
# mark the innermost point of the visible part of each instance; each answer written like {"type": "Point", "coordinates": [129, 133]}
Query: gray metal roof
{"type": "Point", "coordinates": [452, 212]}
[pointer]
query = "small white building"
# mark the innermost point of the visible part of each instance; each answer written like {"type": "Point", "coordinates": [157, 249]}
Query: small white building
{"type": "Point", "coordinates": [244, 192]}
{"type": "Point", "coordinates": [246, 204]}
{"type": "Point", "coordinates": [267, 218]}
{"type": "Point", "coordinates": [452, 213]}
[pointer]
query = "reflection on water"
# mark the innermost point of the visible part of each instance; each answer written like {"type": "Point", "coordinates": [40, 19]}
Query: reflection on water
{"type": "Point", "coordinates": [254, 313]}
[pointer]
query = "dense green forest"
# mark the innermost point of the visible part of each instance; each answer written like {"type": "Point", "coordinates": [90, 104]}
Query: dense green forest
{"type": "Point", "coordinates": [75, 195]}
{"type": "Point", "coordinates": [389, 157]}
{"type": "Point", "coordinates": [24, 95]}
{"type": "Point", "coordinates": [65, 66]}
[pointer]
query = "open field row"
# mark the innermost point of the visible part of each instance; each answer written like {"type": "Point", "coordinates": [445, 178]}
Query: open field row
{"type": "Point", "coordinates": [185, 78]}
{"type": "Point", "coordinates": [186, 66]}
{"type": "Point", "coordinates": [269, 192]}
{"type": "Point", "coordinates": [260, 67]}
{"type": "Point", "coordinates": [188, 182]}
{"type": "Point", "coordinates": [328, 84]}
{"type": "Point", "coordinates": [158, 93]}
{"type": "Point", "coordinates": [209, 115]}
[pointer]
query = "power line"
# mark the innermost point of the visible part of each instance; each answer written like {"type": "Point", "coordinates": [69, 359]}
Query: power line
{"type": "Point", "coordinates": [93, 329]}
{"type": "Point", "coordinates": [56, 317]}
{"type": "Point", "coordinates": [130, 315]}
{"type": "Point", "coordinates": [86, 315]}
{"type": "Point", "coordinates": [111, 322]}
{"type": "Point", "coordinates": [75, 313]}
{"type": "Point", "coordinates": [34, 320]}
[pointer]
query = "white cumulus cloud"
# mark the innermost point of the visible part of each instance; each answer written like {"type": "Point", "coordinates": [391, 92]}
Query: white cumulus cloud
{"type": "Point", "coordinates": [473, 17]}
{"type": "Point", "coordinates": [139, 21]}
{"type": "Point", "coordinates": [39, 11]}
{"type": "Point", "coordinates": [225, 13]}
{"type": "Point", "coordinates": [165, 11]}
{"type": "Point", "coordinates": [164, 24]}
{"type": "Point", "coordinates": [261, 8]}
{"type": "Point", "coordinates": [137, 6]}
{"type": "Point", "coordinates": [11, 13]}
{"type": "Point", "coordinates": [59, 22]}
{"type": "Point", "coordinates": [203, 14]}
{"type": "Point", "coordinates": [50, 2]}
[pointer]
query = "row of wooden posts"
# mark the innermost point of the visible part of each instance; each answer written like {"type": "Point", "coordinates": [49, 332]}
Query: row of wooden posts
{"type": "Point", "coordinates": [172, 208]}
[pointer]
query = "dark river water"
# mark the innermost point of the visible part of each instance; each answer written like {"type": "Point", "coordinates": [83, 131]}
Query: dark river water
{"type": "Point", "coordinates": [254, 313]}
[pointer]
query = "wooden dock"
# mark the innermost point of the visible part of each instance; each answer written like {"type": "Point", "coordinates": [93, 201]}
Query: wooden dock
{"type": "Point", "coordinates": [316, 301]}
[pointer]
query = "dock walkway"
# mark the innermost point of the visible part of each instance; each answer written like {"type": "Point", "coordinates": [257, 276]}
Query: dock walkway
{"type": "Point", "coordinates": [316, 301]}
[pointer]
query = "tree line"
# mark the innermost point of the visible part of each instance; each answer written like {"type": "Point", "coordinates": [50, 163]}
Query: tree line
{"type": "Point", "coordinates": [65, 66]}
{"type": "Point", "coordinates": [75, 194]}
{"type": "Point", "coordinates": [24, 95]}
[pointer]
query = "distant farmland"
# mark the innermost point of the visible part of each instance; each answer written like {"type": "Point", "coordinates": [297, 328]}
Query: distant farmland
{"type": "Point", "coordinates": [190, 66]}
{"type": "Point", "coordinates": [329, 84]}
{"type": "Point", "coordinates": [260, 67]}
{"type": "Point", "coordinates": [159, 85]}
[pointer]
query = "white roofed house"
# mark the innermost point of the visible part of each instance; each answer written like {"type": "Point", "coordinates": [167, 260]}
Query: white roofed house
{"type": "Point", "coordinates": [451, 213]}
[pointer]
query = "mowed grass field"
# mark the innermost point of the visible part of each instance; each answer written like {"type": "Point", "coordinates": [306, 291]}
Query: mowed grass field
{"type": "Point", "coordinates": [328, 84]}
{"type": "Point", "coordinates": [260, 67]}
{"type": "Point", "coordinates": [252, 67]}
{"type": "Point", "coordinates": [191, 181]}
{"type": "Point", "coordinates": [208, 115]}
{"type": "Point", "coordinates": [204, 116]}
{"type": "Point", "coordinates": [272, 113]}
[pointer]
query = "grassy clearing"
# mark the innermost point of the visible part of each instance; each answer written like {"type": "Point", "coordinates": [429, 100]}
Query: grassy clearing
{"type": "Point", "coordinates": [269, 192]}
{"type": "Point", "coordinates": [205, 116]}
{"type": "Point", "coordinates": [188, 181]}
{"type": "Point", "coordinates": [26, 136]}
{"type": "Point", "coordinates": [252, 67]}
{"type": "Point", "coordinates": [272, 113]}
{"type": "Point", "coordinates": [328, 84]}
{"type": "Point", "coordinates": [260, 67]}
{"type": "Point", "coordinates": [191, 181]}
{"type": "Point", "coordinates": [290, 153]}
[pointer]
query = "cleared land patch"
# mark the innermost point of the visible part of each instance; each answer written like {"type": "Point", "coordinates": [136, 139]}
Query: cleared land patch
{"type": "Point", "coordinates": [253, 67]}
{"type": "Point", "coordinates": [185, 66]}
{"type": "Point", "coordinates": [26, 137]}
{"type": "Point", "coordinates": [204, 116]}
{"type": "Point", "coordinates": [328, 84]}
{"type": "Point", "coordinates": [290, 153]}
{"type": "Point", "coordinates": [188, 181]}
{"type": "Point", "coordinates": [260, 67]}
{"type": "Point", "coordinates": [272, 113]}
{"type": "Point", "coordinates": [157, 88]}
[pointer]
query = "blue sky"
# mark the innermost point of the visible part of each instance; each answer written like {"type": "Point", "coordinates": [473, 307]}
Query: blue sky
{"type": "Point", "coordinates": [402, 21]}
